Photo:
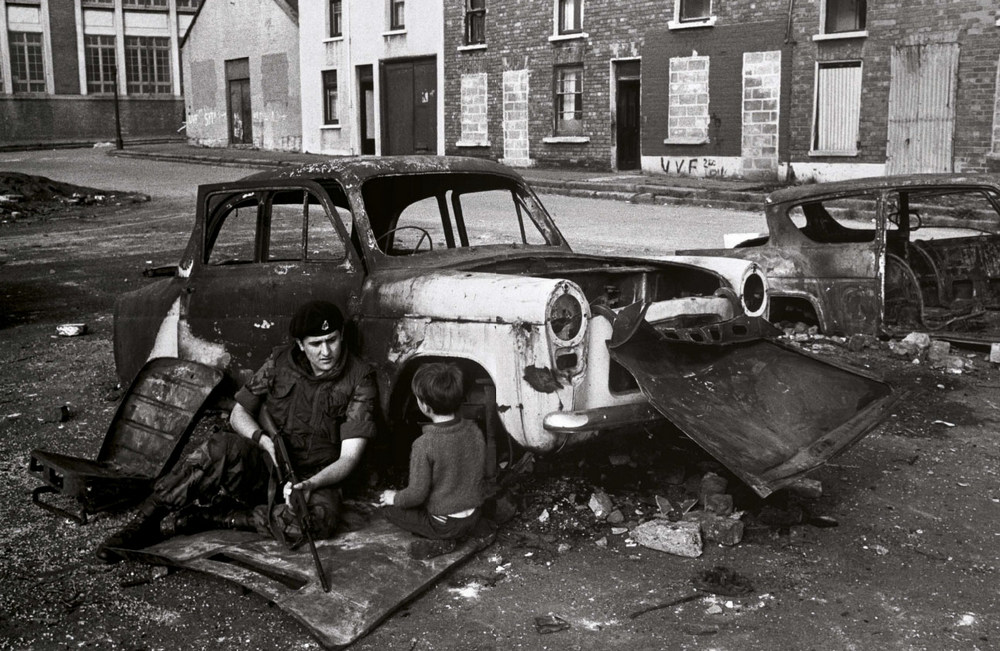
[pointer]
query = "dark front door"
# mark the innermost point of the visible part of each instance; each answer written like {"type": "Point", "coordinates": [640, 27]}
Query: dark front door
{"type": "Point", "coordinates": [240, 115]}
{"type": "Point", "coordinates": [410, 114]}
{"type": "Point", "coordinates": [627, 116]}
{"type": "Point", "coordinates": [366, 116]}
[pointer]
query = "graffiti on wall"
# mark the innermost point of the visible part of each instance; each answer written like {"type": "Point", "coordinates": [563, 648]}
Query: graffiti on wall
{"type": "Point", "coordinates": [704, 167]}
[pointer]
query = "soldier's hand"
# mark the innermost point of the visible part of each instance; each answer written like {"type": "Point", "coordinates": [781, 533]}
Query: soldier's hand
{"type": "Point", "coordinates": [267, 444]}
{"type": "Point", "coordinates": [387, 498]}
{"type": "Point", "coordinates": [302, 486]}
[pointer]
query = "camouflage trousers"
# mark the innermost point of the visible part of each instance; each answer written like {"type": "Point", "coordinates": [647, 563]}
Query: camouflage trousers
{"type": "Point", "coordinates": [228, 472]}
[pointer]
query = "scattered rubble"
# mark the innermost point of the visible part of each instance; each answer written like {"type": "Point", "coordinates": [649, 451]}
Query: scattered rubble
{"type": "Point", "coordinates": [24, 196]}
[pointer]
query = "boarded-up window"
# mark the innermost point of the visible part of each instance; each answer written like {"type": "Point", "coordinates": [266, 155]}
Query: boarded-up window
{"type": "Point", "coordinates": [474, 109]}
{"type": "Point", "coordinates": [687, 104]}
{"type": "Point", "coordinates": [838, 108]}
{"type": "Point", "coordinates": [844, 16]}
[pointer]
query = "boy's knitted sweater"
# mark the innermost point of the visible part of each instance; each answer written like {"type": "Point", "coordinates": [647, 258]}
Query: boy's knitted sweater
{"type": "Point", "coordinates": [446, 468]}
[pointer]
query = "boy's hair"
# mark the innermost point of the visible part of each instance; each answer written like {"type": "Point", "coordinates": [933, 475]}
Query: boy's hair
{"type": "Point", "coordinates": [441, 386]}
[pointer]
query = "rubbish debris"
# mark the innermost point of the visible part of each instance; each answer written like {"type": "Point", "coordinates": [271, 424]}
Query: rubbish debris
{"type": "Point", "coordinates": [601, 504]}
{"type": "Point", "coordinates": [995, 353]}
{"type": "Point", "coordinates": [71, 329]}
{"type": "Point", "coordinates": [810, 489]}
{"type": "Point", "coordinates": [722, 580]}
{"type": "Point", "coordinates": [679, 538]}
{"type": "Point", "coordinates": [724, 530]}
{"type": "Point", "coordinates": [550, 624]}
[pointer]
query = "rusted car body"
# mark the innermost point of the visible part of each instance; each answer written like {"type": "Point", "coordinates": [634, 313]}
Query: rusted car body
{"type": "Point", "coordinates": [450, 258]}
{"type": "Point", "coordinates": [456, 259]}
{"type": "Point", "coordinates": [884, 255]}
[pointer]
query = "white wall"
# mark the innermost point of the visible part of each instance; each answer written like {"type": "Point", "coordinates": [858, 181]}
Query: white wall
{"type": "Point", "coordinates": [366, 41]}
{"type": "Point", "coordinates": [236, 29]}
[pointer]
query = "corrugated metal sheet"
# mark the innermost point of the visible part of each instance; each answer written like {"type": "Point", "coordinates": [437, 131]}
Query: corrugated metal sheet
{"type": "Point", "coordinates": [838, 107]}
{"type": "Point", "coordinates": [922, 108]}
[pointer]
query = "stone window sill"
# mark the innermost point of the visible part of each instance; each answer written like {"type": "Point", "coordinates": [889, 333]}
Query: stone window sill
{"type": "Point", "coordinates": [834, 152]}
{"type": "Point", "coordinates": [333, 39]}
{"type": "Point", "coordinates": [702, 140]}
{"type": "Point", "coordinates": [472, 143]}
{"type": "Point", "coordinates": [472, 48]}
{"type": "Point", "coordinates": [566, 140]}
{"type": "Point", "coordinates": [568, 37]}
{"type": "Point", "coordinates": [840, 36]}
{"type": "Point", "coordinates": [691, 24]}
{"type": "Point", "coordinates": [328, 127]}
{"type": "Point", "coordinates": [397, 32]}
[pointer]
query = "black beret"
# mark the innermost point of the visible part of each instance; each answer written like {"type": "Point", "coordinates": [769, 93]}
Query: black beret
{"type": "Point", "coordinates": [316, 319]}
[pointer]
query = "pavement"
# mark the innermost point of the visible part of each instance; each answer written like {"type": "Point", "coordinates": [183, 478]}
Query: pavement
{"type": "Point", "coordinates": [631, 186]}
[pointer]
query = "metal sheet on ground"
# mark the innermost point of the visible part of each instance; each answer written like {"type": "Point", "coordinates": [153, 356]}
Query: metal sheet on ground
{"type": "Point", "coordinates": [766, 411]}
{"type": "Point", "coordinates": [370, 572]}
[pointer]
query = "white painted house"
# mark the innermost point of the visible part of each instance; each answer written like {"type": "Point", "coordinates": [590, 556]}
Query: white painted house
{"type": "Point", "coordinates": [372, 75]}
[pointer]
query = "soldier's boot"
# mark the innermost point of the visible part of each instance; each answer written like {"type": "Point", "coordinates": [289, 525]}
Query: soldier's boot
{"type": "Point", "coordinates": [142, 531]}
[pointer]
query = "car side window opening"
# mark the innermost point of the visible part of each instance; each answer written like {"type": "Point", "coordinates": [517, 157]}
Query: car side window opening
{"type": "Point", "coordinates": [281, 225]}
{"type": "Point", "coordinates": [301, 229]}
{"type": "Point", "coordinates": [837, 220]}
{"type": "Point", "coordinates": [458, 212]}
{"type": "Point", "coordinates": [231, 231]}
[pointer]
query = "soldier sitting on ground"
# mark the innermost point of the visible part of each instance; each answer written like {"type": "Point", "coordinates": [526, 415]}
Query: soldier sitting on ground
{"type": "Point", "coordinates": [320, 396]}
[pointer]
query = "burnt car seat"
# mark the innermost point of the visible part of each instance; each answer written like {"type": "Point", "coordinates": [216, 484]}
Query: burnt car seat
{"type": "Point", "coordinates": [147, 433]}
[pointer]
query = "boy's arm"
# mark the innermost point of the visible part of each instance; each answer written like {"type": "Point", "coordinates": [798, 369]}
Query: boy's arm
{"type": "Point", "coordinates": [419, 487]}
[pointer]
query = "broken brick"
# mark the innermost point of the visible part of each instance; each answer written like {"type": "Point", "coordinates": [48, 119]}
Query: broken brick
{"type": "Point", "coordinates": [719, 503]}
{"type": "Point", "coordinates": [601, 504]}
{"type": "Point", "coordinates": [678, 538]}
{"type": "Point", "coordinates": [724, 530]}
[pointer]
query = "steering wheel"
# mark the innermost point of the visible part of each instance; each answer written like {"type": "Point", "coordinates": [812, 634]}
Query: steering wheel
{"type": "Point", "coordinates": [423, 235]}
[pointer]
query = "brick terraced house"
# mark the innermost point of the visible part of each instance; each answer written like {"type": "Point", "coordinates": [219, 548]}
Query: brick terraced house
{"type": "Point", "coordinates": [763, 89]}
{"type": "Point", "coordinates": [61, 60]}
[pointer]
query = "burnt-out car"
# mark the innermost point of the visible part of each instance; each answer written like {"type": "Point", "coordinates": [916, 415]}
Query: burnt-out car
{"type": "Point", "coordinates": [456, 259]}
{"type": "Point", "coordinates": [884, 255]}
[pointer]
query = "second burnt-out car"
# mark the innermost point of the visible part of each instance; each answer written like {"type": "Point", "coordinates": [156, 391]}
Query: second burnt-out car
{"type": "Point", "coordinates": [884, 255]}
{"type": "Point", "coordinates": [456, 259]}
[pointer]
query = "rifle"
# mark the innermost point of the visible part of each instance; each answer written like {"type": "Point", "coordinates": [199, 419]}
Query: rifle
{"type": "Point", "coordinates": [286, 473]}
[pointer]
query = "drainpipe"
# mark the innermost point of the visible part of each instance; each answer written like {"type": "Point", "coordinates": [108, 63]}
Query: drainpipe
{"type": "Point", "coordinates": [788, 28]}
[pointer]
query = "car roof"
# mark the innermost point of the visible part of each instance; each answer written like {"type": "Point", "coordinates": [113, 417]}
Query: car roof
{"type": "Point", "coordinates": [803, 192]}
{"type": "Point", "coordinates": [350, 170]}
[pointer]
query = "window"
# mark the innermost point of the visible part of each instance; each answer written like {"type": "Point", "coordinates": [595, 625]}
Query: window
{"type": "Point", "coordinates": [104, 3]}
{"type": "Point", "coordinates": [838, 108]}
{"type": "Point", "coordinates": [397, 18]}
{"type": "Point", "coordinates": [844, 16]}
{"type": "Point", "coordinates": [299, 229]}
{"type": "Point", "coordinates": [336, 18]}
{"type": "Point", "coordinates": [188, 4]}
{"type": "Point", "coordinates": [145, 4]}
{"type": "Point", "coordinates": [570, 17]}
{"type": "Point", "coordinates": [27, 70]}
{"type": "Point", "coordinates": [475, 22]}
{"type": "Point", "coordinates": [100, 63]}
{"type": "Point", "coordinates": [569, 101]}
{"type": "Point", "coordinates": [330, 115]}
{"type": "Point", "coordinates": [147, 65]}
{"type": "Point", "coordinates": [694, 10]}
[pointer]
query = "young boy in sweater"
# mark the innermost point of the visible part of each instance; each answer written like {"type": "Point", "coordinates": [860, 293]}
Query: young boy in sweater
{"type": "Point", "coordinates": [443, 500]}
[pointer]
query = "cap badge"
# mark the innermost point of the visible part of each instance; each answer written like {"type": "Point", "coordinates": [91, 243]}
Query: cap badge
{"type": "Point", "coordinates": [325, 326]}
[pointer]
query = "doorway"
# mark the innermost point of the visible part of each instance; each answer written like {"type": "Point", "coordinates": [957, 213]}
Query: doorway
{"type": "Point", "coordinates": [238, 102]}
{"type": "Point", "coordinates": [409, 124]}
{"type": "Point", "coordinates": [627, 115]}
{"type": "Point", "coordinates": [366, 116]}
